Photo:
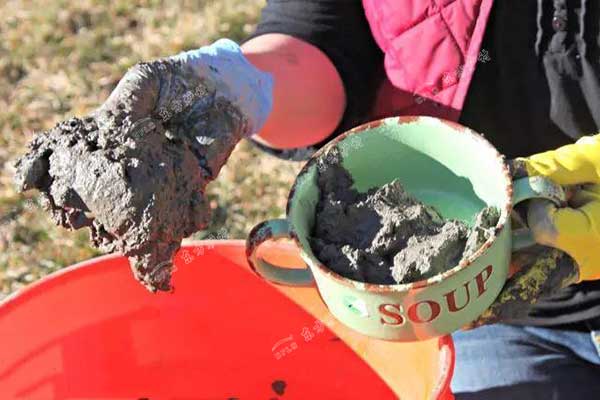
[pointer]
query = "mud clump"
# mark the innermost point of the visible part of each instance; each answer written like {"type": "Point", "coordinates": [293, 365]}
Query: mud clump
{"type": "Point", "coordinates": [133, 173]}
{"type": "Point", "coordinates": [278, 387]}
{"type": "Point", "coordinates": [385, 235]}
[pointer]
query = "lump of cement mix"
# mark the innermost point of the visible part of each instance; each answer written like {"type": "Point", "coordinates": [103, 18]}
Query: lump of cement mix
{"type": "Point", "coordinates": [134, 177]}
{"type": "Point", "coordinates": [385, 235]}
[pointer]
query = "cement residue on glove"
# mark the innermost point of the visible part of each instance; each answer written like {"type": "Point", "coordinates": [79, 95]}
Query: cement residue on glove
{"type": "Point", "coordinates": [135, 171]}
{"type": "Point", "coordinates": [385, 235]}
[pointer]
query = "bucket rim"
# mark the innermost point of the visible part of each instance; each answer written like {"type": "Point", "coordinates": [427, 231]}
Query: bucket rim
{"type": "Point", "coordinates": [53, 278]}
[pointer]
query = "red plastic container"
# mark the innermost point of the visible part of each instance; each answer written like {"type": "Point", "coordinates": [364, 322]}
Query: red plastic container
{"type": "Point", "coordinates": [91, 331]}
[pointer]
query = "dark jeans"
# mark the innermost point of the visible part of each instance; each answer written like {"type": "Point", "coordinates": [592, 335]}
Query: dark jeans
{"type": "Point", "coordinates": [523, 362]}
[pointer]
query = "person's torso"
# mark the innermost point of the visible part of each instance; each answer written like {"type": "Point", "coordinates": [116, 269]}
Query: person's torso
{"type": "Point", "coordinates": [535, 87]}
{"type": "Point", "coordinates": [431, 49]}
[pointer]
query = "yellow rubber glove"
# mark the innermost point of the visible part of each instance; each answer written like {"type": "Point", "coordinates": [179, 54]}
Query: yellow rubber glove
{"type": "Point", "coordinates": [574, 229]}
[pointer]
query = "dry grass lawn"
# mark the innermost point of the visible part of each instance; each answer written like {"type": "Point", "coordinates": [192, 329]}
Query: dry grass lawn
{"type": "Point", "coordinates": [60, 58]}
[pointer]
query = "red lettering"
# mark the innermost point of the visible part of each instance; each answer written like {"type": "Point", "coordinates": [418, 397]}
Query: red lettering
{"type": "Point", "coordinates": [451, 299]}
{"type": "Point", "coordinates": [393, 311]}
{"type": "Point", "coordinates": [480, 280]}
{"type": "Point", "coordinates": [434, 311]}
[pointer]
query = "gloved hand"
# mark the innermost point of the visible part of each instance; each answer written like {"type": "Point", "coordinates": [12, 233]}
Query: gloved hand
{"type": "Point", "coordinates": [572, 233]}
{"type": "Point", "coordinates": [182, 89]}
{"type": "Point", "coordinates": [574, 229]}
{"type": "Point", "coordinates": [135, 170]}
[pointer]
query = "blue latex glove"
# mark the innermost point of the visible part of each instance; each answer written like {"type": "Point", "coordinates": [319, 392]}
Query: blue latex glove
{"type": "Point", "coordinates": [170, 88]}
{"type": "Point", "coordinates": [235, 78]}
{"type": "Point", "coordinates": [135, 171]}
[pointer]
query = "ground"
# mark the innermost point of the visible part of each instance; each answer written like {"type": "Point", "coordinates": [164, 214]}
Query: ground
{"type": "Point", "coordinates": [60, 58]}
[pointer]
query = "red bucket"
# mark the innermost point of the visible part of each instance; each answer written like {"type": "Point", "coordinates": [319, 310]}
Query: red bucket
{"type": "Point", "coordinates": [92, 331]}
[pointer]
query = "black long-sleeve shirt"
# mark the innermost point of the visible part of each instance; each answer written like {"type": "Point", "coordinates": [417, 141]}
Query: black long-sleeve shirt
{"type": "Point", "coordinates": [538, 89]}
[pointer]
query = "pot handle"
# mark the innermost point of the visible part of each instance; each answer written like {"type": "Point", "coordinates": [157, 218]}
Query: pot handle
{"type": "Point", "coordinates": [534, 188]}
{"type": "Point", "coordinates": [272, 230]}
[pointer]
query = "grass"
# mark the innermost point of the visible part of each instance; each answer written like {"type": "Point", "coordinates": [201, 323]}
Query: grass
{"type": "Point", "coordinates": [60, 58]}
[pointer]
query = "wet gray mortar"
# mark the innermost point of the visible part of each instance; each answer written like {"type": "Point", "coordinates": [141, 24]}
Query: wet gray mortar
{"type": "Point", "coordinates": [137, 180]}
{"type": "Point", "coordinates": [385, 235]}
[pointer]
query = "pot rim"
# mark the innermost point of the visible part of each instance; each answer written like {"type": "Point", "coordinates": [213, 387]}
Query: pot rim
{"type": "Point", "coordinates": [405, 287]}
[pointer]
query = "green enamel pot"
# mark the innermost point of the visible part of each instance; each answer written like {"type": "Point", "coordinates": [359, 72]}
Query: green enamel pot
{"type": "Point", "coordinates": [442, 164]}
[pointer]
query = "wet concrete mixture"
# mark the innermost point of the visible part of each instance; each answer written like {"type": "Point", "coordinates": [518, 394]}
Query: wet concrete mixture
{"type": "Point", "coordinates": [385, 235]}
{"type": "Point", "coordinates": [133, 176]}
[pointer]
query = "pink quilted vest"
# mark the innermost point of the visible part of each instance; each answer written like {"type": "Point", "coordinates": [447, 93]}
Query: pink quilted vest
{"type": "Point", "coordinates": [431, 49]}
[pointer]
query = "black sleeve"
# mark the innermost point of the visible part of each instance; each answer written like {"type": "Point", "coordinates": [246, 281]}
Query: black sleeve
{"type": "Point", "coordinates": [339, 29]}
